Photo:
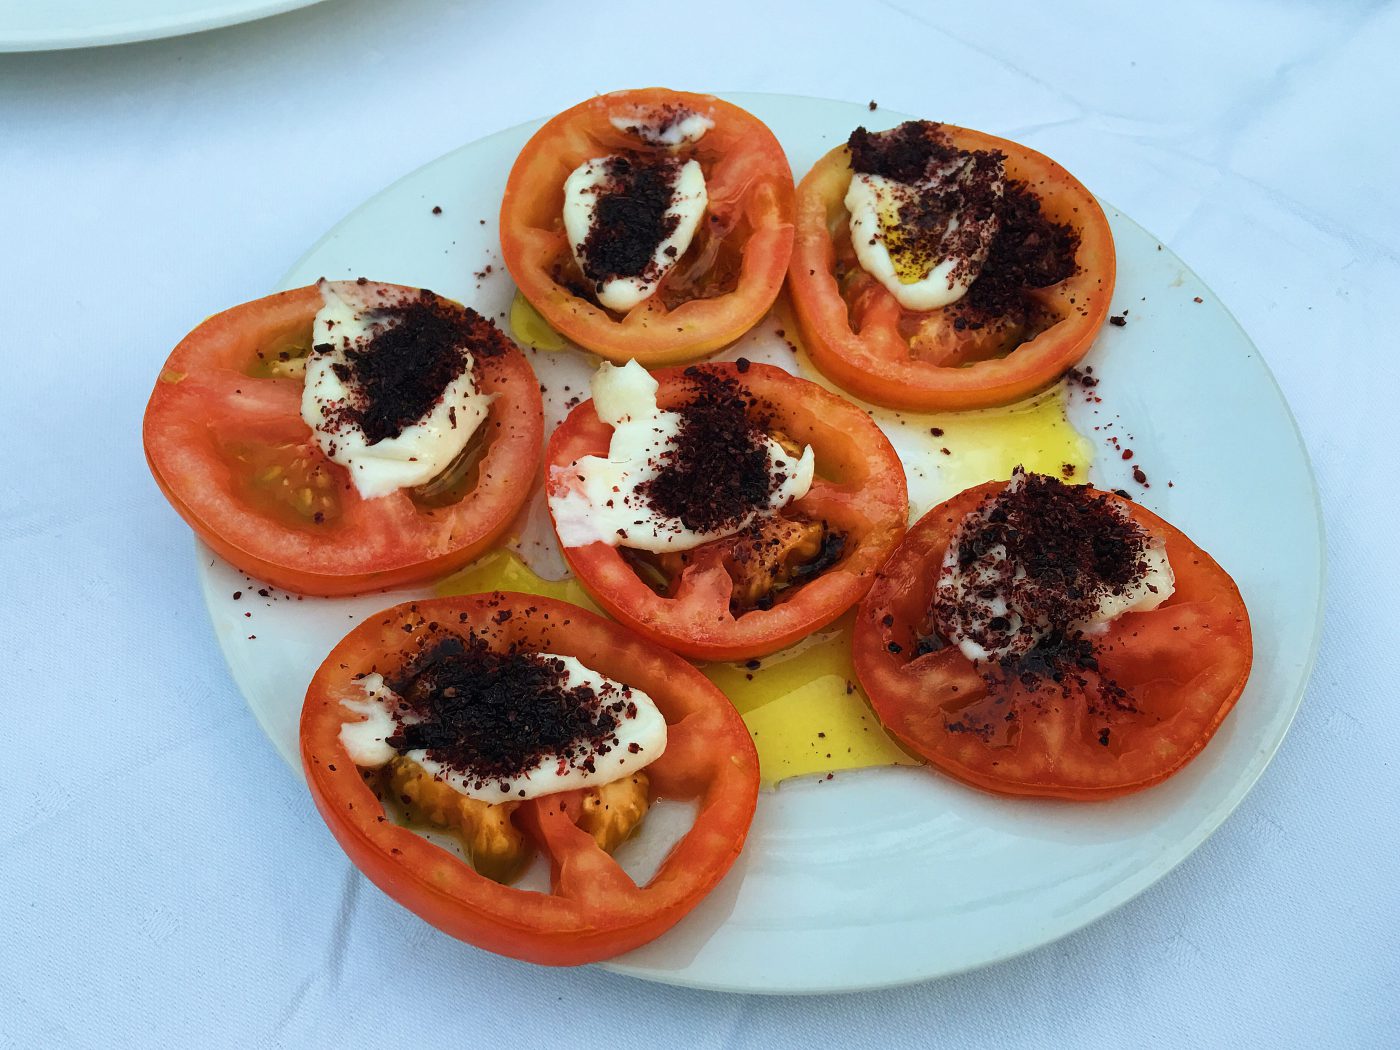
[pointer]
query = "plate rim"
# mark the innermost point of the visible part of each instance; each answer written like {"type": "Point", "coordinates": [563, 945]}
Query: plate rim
{"type": "Point", "coordinates": [1122, 892]}
{"type": "Point", "coordinates": [138, 30]}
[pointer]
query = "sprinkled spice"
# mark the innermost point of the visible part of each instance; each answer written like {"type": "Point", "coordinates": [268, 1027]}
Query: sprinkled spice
{"type": "Point", "coordinates": [949, 205]}
{"type": "Point", "coordinates": [631, 218]}
{"type": "Point", "coordinates": [1054, 549]}
{"type": "Point", "coordinates": [717, 472]}
{"type": "Point", "coordinates": [1028, 250]}
{"type": "Point", "coordinates": [399, 374]}
{"type": "Point", "coordinates": [493, 715]}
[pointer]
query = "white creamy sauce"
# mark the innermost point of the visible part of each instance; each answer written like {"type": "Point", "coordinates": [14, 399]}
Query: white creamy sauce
{"type": "Point", "coordinates": [875, 204]}
{"type": "Point", "coordinates": [596, 499]}
{"type": "Point", "coordinates": [423, 449]}
{"type": "Point", "coordinates": [966, 589]}
{"type": "Point", "coordinates": [663, 125]}
{"type": "Point", "coordinates": [590, 182]}
{"type": "Point", "coordinates": [365, 741]}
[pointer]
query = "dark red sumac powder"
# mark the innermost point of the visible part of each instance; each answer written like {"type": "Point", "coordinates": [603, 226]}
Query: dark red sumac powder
{"type": "Point", "coordinates": [491, 715]}
{"type": "Point", "coordinates": [396, 377]}
{"type": "Point", "coordinates": [631, 217]}
{"type": "Point", "coordinates": [718, 471]}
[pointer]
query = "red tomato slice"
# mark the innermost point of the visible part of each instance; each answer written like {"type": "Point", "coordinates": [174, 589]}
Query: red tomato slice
{"type": "Point", "coordinates": [723, 284]}
{"type": "Point", "coordinates": [594, 910]}
{"type": "Point", "coordinates": [1183, 664]}
{"type": "Point", "coordinates": [858, 334]}
{"type": "Point", "coordinates": [859, 490]}
{"type": "Point", "coordinates": [227, 445]}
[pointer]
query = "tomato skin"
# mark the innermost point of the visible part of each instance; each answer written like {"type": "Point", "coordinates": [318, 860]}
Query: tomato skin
{"type": "Point", "coordinates": [204, 398]}
{"type": "Point", "coordinates": [870, 358]}
{"type": "Point", "coordinates": [869, 500]}
{"type": "Point", "coordinates": [1184, 664]}
{"type": "Point", "coordinates": [595, 911]}
{"type": "Point", "coordinates": [749, 184]}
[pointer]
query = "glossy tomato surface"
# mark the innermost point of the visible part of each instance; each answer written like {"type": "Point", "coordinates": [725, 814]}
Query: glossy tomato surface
{"type": "Point", "coordinates": [858, 334]}
{"type": "Point", "coordinates": [859, 490]}
{"type": "Point", "coordinates": [1182, 665]}
{"type": "Point", "coordinates": [593, 910]}
{"type": "Point", "coordinates": [227, 445]}
{"type": "Point", "coordinates": [720, 287]}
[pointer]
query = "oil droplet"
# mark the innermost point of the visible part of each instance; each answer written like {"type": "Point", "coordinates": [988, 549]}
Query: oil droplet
{"type": "Point", "coordinates": [503, 570]}
{"type": "Point", "coordinates": [805, 710]}
{"type": "Point", "coordinates": [946, 452]}
{"type": "Point", "coordinates": [531, 329]}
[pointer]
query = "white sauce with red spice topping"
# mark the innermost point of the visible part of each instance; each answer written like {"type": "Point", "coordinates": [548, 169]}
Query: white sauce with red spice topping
{"type": "Point", "coordinates": [596, 499]}
{"type": "Point", "coordinates": [875, 204]}
{"type": "Point", "coordinates": [422, 450]}
{"type": "Point", "coordinates": [663, 125]}
{"type": "Point", "coordinates": [642, 725]}
{"type": "Point", "coordinates": [986, 590]}
{"type": "Point", "coordinates": [592, 180]}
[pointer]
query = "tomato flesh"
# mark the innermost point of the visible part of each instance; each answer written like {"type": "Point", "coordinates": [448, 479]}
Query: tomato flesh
{"type": "Point", "coordinates": [1182, 665]}
{"type": "Point", "coordinates": [226, 443]}
{"type": "Point", "coordinates": [859, 491]}
{"type": "Point", "coordinates": [719, 289]}
{"type": "Point", "coordinates": [593, 910]}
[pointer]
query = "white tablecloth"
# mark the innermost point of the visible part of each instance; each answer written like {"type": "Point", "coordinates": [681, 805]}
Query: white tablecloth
{"type": "Point", "coordinates": [164, 879]}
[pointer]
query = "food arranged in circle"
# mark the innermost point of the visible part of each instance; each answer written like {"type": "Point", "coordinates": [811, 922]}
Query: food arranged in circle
{"type": "Point", "coordinates": [725, 511]}
{"type": "Point", "coordinates": [651, 226]}
{"type": "Point", "coordinates": [527, 726]}
{"type": "Point", "coordinates": [346, 436]}
{"type": "Point", "coordinates": [937, 267]}
{"type": "Point", "coordinates": [1036, 638]}
{"type": "Point", "coordinates": [722, 585]}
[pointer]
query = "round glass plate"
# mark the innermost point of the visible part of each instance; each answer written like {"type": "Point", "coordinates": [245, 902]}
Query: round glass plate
{"type": "Point", "coordinates": [887, 876]}
{"type": "Point", "coordinates": [52, 25]}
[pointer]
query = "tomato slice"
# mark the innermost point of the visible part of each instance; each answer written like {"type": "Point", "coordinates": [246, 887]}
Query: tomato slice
{"type": "Point", "coordinates": [594, 910]}
{"type": "Point", "coordinates": [1182, 664]}
{"type": "Point", "coordinates": [858, 334]}
{"type": "Point", "coordinates": [720, 288]}
{"type": "Point", "coordinates": [859, 490]}
{"type": "Point", "coordinates": [226, 443]}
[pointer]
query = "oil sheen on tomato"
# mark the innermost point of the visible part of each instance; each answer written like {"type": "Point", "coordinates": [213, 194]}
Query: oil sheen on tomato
{"type": "Point", "coordinates": [803, 706]}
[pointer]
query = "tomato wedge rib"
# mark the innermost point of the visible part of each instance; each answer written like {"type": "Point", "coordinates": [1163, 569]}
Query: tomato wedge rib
{"type": "Point", "coordinates": [594, 910]}
{"type": "Point", "coordinates": [1182, 666]}
{"type": "Point", "coordinates": [719, 289]}
{"type": "Point", "coordinates": [227, 445]}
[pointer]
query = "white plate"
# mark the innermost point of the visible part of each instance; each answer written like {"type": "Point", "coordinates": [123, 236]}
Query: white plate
{"type": "Point", "coordinates": [50, 25]}
{"type": "Point", "coordinates": [890, 876]}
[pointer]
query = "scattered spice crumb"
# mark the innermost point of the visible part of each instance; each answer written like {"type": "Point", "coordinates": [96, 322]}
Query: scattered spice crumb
{"type": "Point", "coordinates": [437, 209]}
{"type": "Point", "coordinates": [1118, 320]}
{"type": "Point", "coordinates": [1197, 299]}
{"type": "Point", "coordinates": [874, 105]}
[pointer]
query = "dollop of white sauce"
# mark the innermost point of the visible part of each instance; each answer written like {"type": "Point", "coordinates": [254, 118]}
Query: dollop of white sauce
{"type": "Point", "coordinates": [596, 499]}
{"type": "Point", "coordinates": [874, 203]}
{"type": "Point", "coordinates": [663, 125]}
{"type": "Point", "coordinates": [966, 588]}
{"type": "Point", "coordinates": [589, 182]}
{"type": "Point", "coordinates": [422, 450]}
{"type": "Point", "coordinates": [365, 741]}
